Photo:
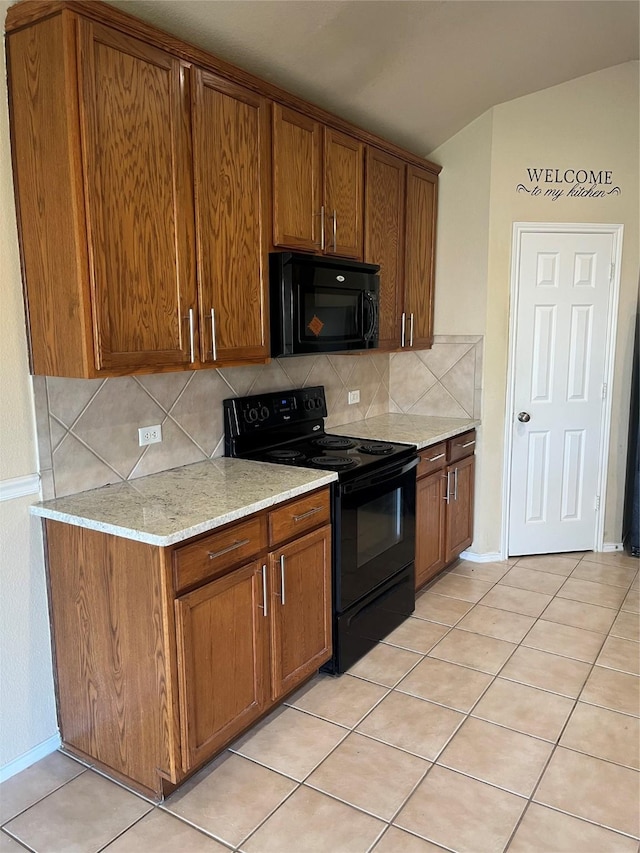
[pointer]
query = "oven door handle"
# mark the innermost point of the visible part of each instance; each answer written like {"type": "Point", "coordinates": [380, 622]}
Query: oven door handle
{"type": "Point", "coordinates": [386, 476]}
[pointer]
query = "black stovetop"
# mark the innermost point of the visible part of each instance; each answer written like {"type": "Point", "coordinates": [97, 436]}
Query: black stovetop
{"type": "Point", "coordinates": [288, 428]}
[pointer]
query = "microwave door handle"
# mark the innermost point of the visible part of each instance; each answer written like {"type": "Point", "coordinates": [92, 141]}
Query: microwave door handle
{"type": "Point", "coordinates": [373, 315]}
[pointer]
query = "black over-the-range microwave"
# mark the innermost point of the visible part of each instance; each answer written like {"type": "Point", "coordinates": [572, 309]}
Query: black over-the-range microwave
{"type": "Point", "coordinates": [321, 304]}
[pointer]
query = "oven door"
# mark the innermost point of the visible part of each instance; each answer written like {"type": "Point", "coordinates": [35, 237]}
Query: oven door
{"type": "Point", "coordinates": [375, 518]}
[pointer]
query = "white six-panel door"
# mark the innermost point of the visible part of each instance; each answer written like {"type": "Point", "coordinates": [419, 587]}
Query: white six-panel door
{"type": "Point", "coordinates": [564, 284]}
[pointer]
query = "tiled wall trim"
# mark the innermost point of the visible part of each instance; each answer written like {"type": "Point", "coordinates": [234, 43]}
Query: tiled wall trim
{"type": "Point", "coordinates": [88, 429]}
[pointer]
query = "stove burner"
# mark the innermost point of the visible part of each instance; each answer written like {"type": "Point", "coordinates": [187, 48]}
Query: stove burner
{"type": "Point", "coordinates": [335, 442]}
{"type": "Point", "coordinates": [336, 462]}
{"type": "Point", "coordinates": [376, 448]}
{"type": "Point", "coordinates": [284, 454]}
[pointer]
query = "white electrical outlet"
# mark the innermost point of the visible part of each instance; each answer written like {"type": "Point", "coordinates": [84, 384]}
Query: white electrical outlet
{"type": "Point", "coordinates": [354, 397]}
{"type": "Point", "coordinates": [150, 435]}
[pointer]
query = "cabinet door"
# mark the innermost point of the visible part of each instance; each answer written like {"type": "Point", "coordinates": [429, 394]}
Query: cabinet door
{"type": "Point", "coordinates": [231, 156]}
{"type": "Point", "coordinates": [459, 527]}
{"type": "Point", "coordinates": [297, 180]}
{"type": "Point", "coordinates": [384, 237]}
{"type": "Point", "coordinates": [430, 526]}
{"type": "Point", "coordinates": [419, 256]}
{"type": "Point", "coordinates": [138, 187]}
{"type": "Point", "coordinates": [343, 194]}
{"type": "Point", "coordinates": [223, 661]}
{"type": "Point", "coordinates": [300, 609]}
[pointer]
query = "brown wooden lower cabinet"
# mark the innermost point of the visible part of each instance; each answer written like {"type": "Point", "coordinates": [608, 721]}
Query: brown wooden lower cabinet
{"type": "Point", "coordinates": [153, 676]}
{"type": "Point", "coordinates": [444, 505]}
{"type": "Point", "coordinates": [459, 512]}
{"type": "Point", "coordinates": [300, 619]}
{"type": "Point", "coordinates": [223, 661]}
{"type": "Point", "coordinates": [430, 521]}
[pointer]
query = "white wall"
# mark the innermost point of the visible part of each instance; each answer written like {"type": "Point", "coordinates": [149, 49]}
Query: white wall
{"type": "Point", "coordinates": [462, 240]}
{"type": "Point", "coordinates": [27, 711]}
{"type": "Point", "coordinates": [592, 123]}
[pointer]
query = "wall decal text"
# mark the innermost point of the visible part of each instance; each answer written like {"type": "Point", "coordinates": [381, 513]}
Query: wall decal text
{"type": "Point", "coordinates": [568, 183]}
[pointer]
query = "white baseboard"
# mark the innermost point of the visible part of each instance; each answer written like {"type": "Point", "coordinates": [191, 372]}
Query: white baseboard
{"type": "Point", "coordinates": [496, 557]}
{"type": "Point", "coordinates": [612, 546]}
{"type": "Point", "coordinates": [28, 758]}
{"type": "Point", "coordinates": [19, 487]}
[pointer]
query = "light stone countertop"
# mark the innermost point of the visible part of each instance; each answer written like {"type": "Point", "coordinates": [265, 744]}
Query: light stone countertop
{"type": "Point", "coordinates": [421, 430]}
{"type": "Point", "coordinates": [171, 506]}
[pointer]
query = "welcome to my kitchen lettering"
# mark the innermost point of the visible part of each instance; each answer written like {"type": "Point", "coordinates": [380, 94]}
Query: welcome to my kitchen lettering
{"type": "Point", "coordinates": [570, 183]}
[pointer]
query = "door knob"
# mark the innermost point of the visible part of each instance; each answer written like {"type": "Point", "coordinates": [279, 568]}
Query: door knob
{"type": "Point", "coordinates": [524, 417]}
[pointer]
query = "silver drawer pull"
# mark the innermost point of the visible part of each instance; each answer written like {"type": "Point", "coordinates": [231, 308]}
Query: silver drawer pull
{"type": "Point", "coordinates": [237, 544]}
{"type": "Point", "coordinates": [447, 497]}
{"type": "Point", "coordinates": [192, 348]}
{"type": "Point", "coordinates": [264, 590]}
{"type": "Point", "coordinates": [435, 458]}
{"type": "Point", "coordinates": [469, 443]}
{"type": "Point", "coordinates": [312, 511]}
{"type": "Point", "coordinates": [282, 578]}
{"type": "Point", "coordinates": [214, 345]}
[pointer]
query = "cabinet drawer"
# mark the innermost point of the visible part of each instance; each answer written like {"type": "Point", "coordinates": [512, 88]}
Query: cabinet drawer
{"type": "Point", "coordinates": [296, 518]}
{"type": "Point", "coordinates": [213, 555]}
{"type": "Point", "coordinates": [461, 446]}
{"type": "Point", "coordinates": [432, 459]}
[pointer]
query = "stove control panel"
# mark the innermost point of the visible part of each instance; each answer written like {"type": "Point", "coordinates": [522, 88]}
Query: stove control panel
{"type": "Point", "coordinates": [245, 415]}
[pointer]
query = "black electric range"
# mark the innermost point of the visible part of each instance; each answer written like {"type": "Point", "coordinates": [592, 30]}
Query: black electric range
{"type": "Point", "coordinates": [288, 428]}
{"type": "Point", "coordinates": [373, 508]}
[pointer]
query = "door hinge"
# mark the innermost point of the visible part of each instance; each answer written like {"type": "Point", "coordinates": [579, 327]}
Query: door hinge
{"type": "Point", "coordinates": [612, 271]}
{"type": "Point", "coordinates": [597, 503]}
{"type": "Point", "coordinates": [604, 390]}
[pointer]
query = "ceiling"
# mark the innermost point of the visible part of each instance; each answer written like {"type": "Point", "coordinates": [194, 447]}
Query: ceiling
{"type": "Point", "coordinates": [413, 71]}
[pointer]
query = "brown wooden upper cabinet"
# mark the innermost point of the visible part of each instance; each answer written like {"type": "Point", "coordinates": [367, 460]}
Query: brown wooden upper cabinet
{"type": "Point", "coordinates": [104, 170]}
{"type": "Point", "coordinates": [419, 258]}
{"type": "Point", "coordinates": [151, 181]}
{"type": "Point", "coordinates": [384, 238]}
{"type": "Point", "coordinates": [400, 217]}
{"type": "Point", "coordinates": [231, 167]}
{"type": "Point", "coordinates": [318, 176]}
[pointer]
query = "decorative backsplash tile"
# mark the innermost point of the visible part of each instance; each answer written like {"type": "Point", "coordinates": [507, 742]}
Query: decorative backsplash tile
{"type": "Point", "coordinates": [88, 429]}
{"type": "Point", "coordinates": [445, 381]}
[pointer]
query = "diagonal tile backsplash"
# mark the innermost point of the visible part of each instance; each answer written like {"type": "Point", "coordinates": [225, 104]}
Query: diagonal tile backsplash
{"type": "Point", "coordinates": [88, 429]}
{"type": "Point", "coordinates": [445, 381]}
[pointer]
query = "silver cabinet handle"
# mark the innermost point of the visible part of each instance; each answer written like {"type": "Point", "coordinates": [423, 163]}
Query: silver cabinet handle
{"type": "Point", "coordinates": [468, 443]}
{"type": "Point", "coordinates": [411, 329]}
{"type": "Point", "coordinates": [335, 231]}
{"type": "Point", "coordinates": [402, 328]}
{"type": "Point", "coordinates": [192, 349]}
{"type": "Point", "coordinates": [237, 544]}
{"type": "Point", "coordinates": [435, 458]}
{"type": "Point", "coordinates": [282, 578]}
{"type": "Point", "coordinates": [447, 497]}
{"type": "Point", "coordinates": [455, 485]}
{"type": "Point", "coordinates": [264, 590]}
{"type": "Point", "coordinates": [312, 511]}
{"type": "Point", "coordinates": [214, 347]}
{"type": "Point", "coordinates": [322, 228]}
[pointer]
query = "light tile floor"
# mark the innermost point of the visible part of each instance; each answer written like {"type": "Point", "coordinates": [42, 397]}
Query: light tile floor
{"type": "Point", "coordinates": [503, 715]}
